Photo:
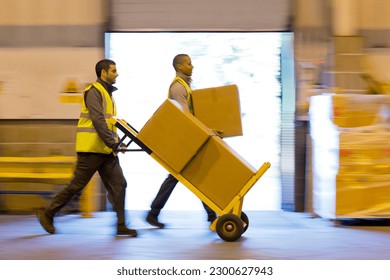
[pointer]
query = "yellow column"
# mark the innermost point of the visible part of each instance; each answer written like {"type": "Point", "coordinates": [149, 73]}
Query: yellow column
{"type": "Point", "coordinates": [88, 199]}
{"type": "Point", "coordinates": [345, 17]}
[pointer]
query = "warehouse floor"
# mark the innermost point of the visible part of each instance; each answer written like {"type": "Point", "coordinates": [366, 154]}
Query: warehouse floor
{"type": "Point", "coordinates": [272, 235]}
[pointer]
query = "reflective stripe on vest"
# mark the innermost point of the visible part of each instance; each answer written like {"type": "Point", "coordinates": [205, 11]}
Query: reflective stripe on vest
{"type": "Point", "coordinates": [188, 90]}
{"type": "Point", "coordinates": [87, 139]}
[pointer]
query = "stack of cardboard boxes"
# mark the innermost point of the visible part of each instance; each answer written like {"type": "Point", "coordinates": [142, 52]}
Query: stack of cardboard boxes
{"type": "Point", "coordinates": [351, 155]}
{"type": "Point", "coordinates": [192, 149]}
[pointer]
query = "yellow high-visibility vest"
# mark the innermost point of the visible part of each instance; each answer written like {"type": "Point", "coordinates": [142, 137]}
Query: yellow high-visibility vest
{"type": "Point", "coordinates": [87, 139]}
{"type": "Point", "coordinates": [188, 90]}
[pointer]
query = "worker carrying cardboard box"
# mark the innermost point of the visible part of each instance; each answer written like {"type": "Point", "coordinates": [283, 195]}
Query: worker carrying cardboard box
{"type": "Point", "coordinates": [180, 91]}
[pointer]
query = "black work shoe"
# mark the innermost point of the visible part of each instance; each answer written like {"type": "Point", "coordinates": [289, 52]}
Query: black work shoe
{"type": "Point", "coordinates": [211, 218]}
{"type": "Point", "coordinates": [124, 230]}
{"type": "Point", "coordinates": [45, 221]}
{"type": "Point", "coordinates": [153, 220]}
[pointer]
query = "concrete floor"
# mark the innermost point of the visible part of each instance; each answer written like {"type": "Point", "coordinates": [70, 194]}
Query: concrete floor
{"type": "Point", "coordinates": [272, 235]}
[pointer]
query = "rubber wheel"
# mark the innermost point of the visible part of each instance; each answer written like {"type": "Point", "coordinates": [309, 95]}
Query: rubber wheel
{"type": "Point", "coordinates": [245, 219]}
{"type": "Point", "coordinates": [229, 227]}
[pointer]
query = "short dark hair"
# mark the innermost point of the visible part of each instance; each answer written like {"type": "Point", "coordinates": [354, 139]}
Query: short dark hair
{"type": "Point", "coordinates": [179, 59]}
{"type": "Point", "coordinates": [103, 64]}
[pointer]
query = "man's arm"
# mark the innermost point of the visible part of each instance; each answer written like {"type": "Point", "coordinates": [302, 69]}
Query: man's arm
{"type": "Point", "coordinates": [179, 93]}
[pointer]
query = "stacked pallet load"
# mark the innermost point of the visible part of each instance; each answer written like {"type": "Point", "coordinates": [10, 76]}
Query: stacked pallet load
{"type": "Point", "coordinates": [350, 136]}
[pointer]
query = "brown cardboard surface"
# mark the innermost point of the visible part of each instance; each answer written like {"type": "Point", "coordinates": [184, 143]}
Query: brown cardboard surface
{"type": "Point", "coordinates": [219, 109]}
{"type": "Point", "coordinates": [218, 172]}
{"type": "Point", "coordinates": [174, 134]}
{"type": "Point", "coordinates": [354, 110]}
{"type": "Point", "coordinates": [362, 193]}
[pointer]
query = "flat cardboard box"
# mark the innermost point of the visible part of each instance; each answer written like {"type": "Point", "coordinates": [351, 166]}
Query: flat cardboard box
{"type": "Point", "coordinates": [354, 110]}
{"type": "Point", "coordinates": [218, 172]}
{"type": "Point", "coordinates": [219, 109]}
{"type": "Point", "coordinates": [174, 135]}
{"type": "Point", "coordinates": [362, 194]}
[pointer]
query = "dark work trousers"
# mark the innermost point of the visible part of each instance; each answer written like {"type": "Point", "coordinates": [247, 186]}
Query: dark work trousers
{"type": "Point", "coordinates": [111, 174]}
{"type": "Point", "coordinates": [163, 194]}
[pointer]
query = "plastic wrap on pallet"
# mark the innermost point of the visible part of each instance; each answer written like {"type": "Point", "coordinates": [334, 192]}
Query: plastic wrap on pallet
{"type": "Point", "coordinates": [359, 110]}
{"type": "Point", "coordinates": [351, 156]}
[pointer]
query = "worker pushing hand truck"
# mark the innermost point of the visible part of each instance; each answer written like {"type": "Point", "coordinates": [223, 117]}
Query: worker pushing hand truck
{"type": "Point", "coordinates": [207, 166]}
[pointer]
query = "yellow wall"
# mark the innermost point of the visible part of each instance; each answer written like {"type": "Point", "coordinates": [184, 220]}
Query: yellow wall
{"type": "Point", "coordinates": [52, 12]}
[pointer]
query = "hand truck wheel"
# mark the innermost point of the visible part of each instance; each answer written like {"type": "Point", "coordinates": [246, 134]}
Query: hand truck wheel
{"type": "Point", "coordinates": [245, 219]}
{"type": "Point", "coordinates": [229, 227]}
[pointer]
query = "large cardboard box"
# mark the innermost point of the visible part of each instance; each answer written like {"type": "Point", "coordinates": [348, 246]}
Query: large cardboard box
{"type": "Point", "coordinates": [174, 134]}
{"type": "Point", "coordinates": [354, 110]}
{"type": "Point", "coordinates": [219, 109]}
{"type": "Point", "coordinates": [218, 172]}
{"type": "Point", "coordinates": [362, 195]}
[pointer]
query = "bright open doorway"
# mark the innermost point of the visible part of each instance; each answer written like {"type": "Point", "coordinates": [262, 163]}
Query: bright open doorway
{"type": "Point", "coordinates": [251, 60]}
